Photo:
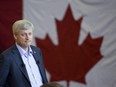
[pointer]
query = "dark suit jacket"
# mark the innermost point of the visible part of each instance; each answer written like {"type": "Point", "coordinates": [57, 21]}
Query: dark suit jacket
{"type": "Point", "coordinates": [12, 69]}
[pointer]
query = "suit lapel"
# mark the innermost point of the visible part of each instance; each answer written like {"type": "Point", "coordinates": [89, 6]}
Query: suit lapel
{"type": "Point", "coordinates": [35, 56]}
{"type": "Point", "coordinates": [19, 62]}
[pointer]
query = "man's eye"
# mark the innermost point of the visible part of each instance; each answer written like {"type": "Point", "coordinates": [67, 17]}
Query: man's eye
{"type": "Point", "coordinates": [22, 35]}
{"type": "Point", "coordinates": [30, 33]}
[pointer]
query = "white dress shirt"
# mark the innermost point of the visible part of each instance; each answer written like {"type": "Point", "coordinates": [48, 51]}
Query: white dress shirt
{"type": "Point", "coordinates": [31, 67]}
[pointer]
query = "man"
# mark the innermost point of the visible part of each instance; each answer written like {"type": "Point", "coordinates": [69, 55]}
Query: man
{"type": "Point", "coordinates": [22, 65]}
{"type": "Point", "coordinates": [51, 84]}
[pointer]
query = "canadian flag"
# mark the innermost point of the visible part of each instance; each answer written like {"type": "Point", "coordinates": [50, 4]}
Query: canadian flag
{"type": "Point", "coordinates": [77, 38]}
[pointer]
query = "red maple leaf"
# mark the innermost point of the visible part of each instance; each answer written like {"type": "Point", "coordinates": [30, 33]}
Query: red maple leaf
{"type": "Point", "coordinates": [69, 61]}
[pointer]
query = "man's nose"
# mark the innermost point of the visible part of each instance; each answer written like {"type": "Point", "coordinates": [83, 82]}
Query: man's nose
{"type": "Point", "coordinates": [27, 37]}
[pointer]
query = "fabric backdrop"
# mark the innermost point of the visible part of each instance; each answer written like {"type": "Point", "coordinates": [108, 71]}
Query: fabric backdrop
{"type": "Point", "coordinates": [77, 38]}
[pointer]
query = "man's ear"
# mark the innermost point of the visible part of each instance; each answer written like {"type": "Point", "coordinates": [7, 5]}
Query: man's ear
{"type": "Point", "coordinates": [15, 37]}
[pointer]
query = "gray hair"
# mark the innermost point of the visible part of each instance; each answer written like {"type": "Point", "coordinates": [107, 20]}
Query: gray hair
{"type": "Point", "coordinates": [22, 25]}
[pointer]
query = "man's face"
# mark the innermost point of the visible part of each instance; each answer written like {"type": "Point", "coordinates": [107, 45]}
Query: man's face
{"type": "Point", "coordinates": [24, 38]}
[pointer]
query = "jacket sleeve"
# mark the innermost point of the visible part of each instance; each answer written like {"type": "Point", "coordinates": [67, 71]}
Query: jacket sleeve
{"type": "Point", "coordinates": [4, 69]}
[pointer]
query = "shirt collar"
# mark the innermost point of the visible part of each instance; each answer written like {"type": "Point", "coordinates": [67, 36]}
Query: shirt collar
{"type": "Point", "coordinates": [23, 52]}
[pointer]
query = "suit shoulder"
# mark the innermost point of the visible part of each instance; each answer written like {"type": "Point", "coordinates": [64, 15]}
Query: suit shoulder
{"type": "Point", "coordinates": [35, 48]}
{"type": "Point", "coordinates": [8, 51]}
